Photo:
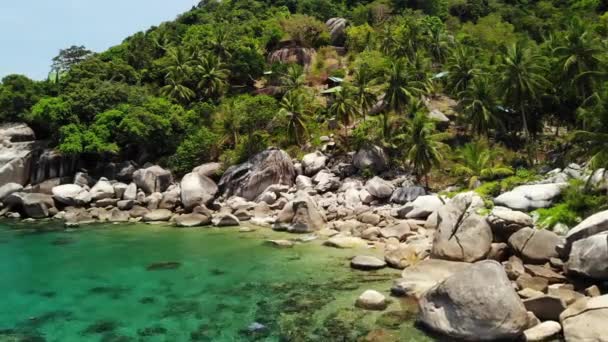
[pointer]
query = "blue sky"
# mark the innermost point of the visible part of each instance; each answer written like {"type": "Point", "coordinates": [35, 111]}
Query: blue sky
{"type": "Point", "coordinates": [33, 31]}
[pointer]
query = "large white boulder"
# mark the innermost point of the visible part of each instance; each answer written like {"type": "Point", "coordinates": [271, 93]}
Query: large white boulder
{"type": "Point", "coordinates": [530, 197]}
{"type": "Point", "coordinates": [152, 179]}
{"type": "Point", "coordinates": [196, 190]}
{"type": "Point", "coordinates": [313, 163]}
{"type": "Point", "coordinates": [477, 304]}
{"type": "Point", "coordinates": [71, 194]}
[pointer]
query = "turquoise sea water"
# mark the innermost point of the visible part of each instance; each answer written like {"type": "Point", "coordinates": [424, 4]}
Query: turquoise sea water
{"type": "Point", "coordinates": [153, 283]}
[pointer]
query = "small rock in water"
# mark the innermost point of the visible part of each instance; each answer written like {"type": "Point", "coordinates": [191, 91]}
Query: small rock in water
{"type": "Point", "coordinates": [371, 300]}
{"type": "Point", "coordinates": [62, 241]}
{"type": "Point", "coordinates": [281, 243]}
{"type": "Point", "coordinates": [365, 262]}
{"type": "Point", "coordinates": [161, 266]}
{"type": "Point", "coordinates": [255, 326]}
{"type": "Point", "coordinates": [307, 238]}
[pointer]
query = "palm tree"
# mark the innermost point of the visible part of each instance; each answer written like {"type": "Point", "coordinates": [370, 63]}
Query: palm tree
{"type": "Point", "coordinates": [364, 90]}
{"type": "Point", "coordinates": [438, 44]}
{"type": "Point", "coordinates": [476, 161]}
{"type": "Point", "coordinates": [423, 145]}
{"type": "Point", "coordinates": [176, 89]}
{"type": "Point", "coordinates": [479, 106]}
{"type": "Point", "coordinates": [180, 62]}
{"type": "Point", "coordinates": [592, 140]}
{"type": "Point", "coordinates": [293, 107]}
{"type": "Point", "coordinates": [212, 76]}
{"type": "Point", "coordinates": [343, 108]}
{"type": "Point", "coordinates": [521, 80]}
{"type": "Point", "coordinates": [461, 69]}
{"type": "Point", "coordinates": [294, 79]}
{"type": "Point", "coordinates": [219, 43]}
{"type": "Point", "coordinates": [401, 87]}
{"type": "Point", "coordinates": [580, 58]}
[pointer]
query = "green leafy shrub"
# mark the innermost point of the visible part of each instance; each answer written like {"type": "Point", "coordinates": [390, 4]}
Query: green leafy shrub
{"type": "Point", "coordinates": [561, 213]}
{"type": "Point", "coordinates": [489, 189]}
{"type": "Point", "coordinates": [195, 149]}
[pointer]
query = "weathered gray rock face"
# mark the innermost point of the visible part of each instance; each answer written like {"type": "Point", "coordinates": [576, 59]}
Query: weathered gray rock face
{"type": "Point", "coordinates": [477, 304]}
{"type": "Point", "coordinates": [535, 245]}
{"type": "Point", "coordinates": [157, 215]}
{"type": "Point", "coordinates": [371, 158]}
{"type": "Point", "coordinates": [586, 320]}
{"type": "Point", "coordinates": [197, 189]}
{"type": "Point", "coordinates": [38, 205]}
{"type": "Point", "coordinates": [407, 194]}
{"type": "Point", "coordinates": [152, 179]}
{"type": "Point", "coordinates": [71, 194]}
{"type": "Point", "coordinates": [171, 197]}
{"type": "Point", "coordinates": [592, 225]}
{"type": "Point", "coordinates": [16, 132]}
{"type": "Point", "coordinates": [102, 189]}
{"type": "Point", "coordinates": [300, 215]}
{"type": "Point", "coordinates": [421, 207]}
{"type": "Point", "coordinates": [421, 277]}
{"type": "Point", "coordinates": [326, 181]}
{"type": "Point", "coordinates": [366, 262]}
{"type": "Point", "coordinates": [407, 254]}
{"type": "Point", "coordinates": [16, 163]}
{"type": "Point", "coordinates": [225, 220]}
{"type": "Point", "coordinates": [379, 188]}
{"type": "Point", "coordinates": [589, 257]}
{"type": "Point", "coordinates": [313, 163]}
{"type": "Point", "coordinates": [192, 220]}
{"type": "Point", "coordinates": [543, 331]}
{"type": "Point", "coordinates": [462, 235]}
{"type": "Point", "coordinates": [337, 30]}
{"type": "Point", "coordinates": [211, 170]}
{"type": "Point", "coordinates": [130, 192]}
{"type": "Point", "coordinates": [505, 222]}
{"type": "Point", "coordinates": [251, 179]}
{"type": "Point", "coordinates": [530, 197]}
{"type": "Point", "coordinates": [8, 189]}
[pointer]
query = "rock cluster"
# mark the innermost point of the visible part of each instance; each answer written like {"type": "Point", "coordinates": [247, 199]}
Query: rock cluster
{"type": "Point", "coordinates": [478, 274]}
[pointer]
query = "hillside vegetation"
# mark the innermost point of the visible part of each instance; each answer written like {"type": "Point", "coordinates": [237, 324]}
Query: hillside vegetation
{"type": "Point", "coordinates": [522, 83]}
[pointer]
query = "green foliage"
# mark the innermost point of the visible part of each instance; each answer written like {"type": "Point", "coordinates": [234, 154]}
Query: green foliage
{"type": "Point", "coordinates": [195, 149]}
{"type": "Point", "coordinates": [17, 95]}
{"type": "Point", "coordinates": [489, 190]}
{"type": "Point", "coordinates": [479, 161]}
{"type": "Point", "coordinates": [576, 202]}
{"type": "Point", "coordinates": [306, 30]}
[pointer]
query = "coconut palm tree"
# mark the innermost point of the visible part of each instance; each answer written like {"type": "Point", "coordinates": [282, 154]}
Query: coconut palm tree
{"type": "Point", "coordinates": [294, 79]}
{"type": "Point", "coordinates": [218, 43]}
{"type": "Point", "coordinates": [423, 145]}
{"type": "Point", "coordinates": [479, 105]}
{"type": "Point", "coordinates": [402, 86]}
{"type": "Point", "coordinates": [477, 161]}
{"type": "Point", "coordinates": [364, 90]}
{"type": "Point", "coordinates": [592, 140]}
{"type": "Point", "coordinates": [521, 79]}
{"type": "Point", "coordinates": [438, 43]}
{"type": "Point", "coordinates": [176, 89]}
{"type": "Point", "coordinates": [212, 76]}
{"type": "Point", "coordinates": [293, 106]}
{"type": "Point", "coordinates": [462, 68]}
{"type": "Point", "coordinates": [179, 63]}
{"type": "Point", "coordinates": [343, 107]}
{"type": "Point", "coordinates": [581, 56]}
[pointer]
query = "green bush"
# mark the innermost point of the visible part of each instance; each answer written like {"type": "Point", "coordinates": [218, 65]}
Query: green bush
{"type": "Point", "coordinates": [561, 213]}
{"type": "Point", "coordinates": [195, 149]}
{"type": "Point", "coordinates": [489, 189]}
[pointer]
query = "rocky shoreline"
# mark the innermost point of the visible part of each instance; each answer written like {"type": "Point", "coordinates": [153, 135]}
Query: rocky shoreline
{"type": "Point", "coordinates": [478, 273]}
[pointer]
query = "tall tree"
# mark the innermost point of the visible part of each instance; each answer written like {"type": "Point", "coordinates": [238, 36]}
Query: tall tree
{"type": "Point", "coordinates": [581, 59]}
{"type": "Point", "coordinates": [294, 109]}
{"type": "Point", "coordinates": [462, 69]}
{"type": "Point", "coordinates": [423, 145]}
{"type": "Point", "coordinates": [343, 108]}
{"type": "Point", "coordinates": [479, 105]}
{"type": "Point", "coordinates": [212, 76]}
{"type": "Point", "coordinates": [364, 90]}
{"type": "Point", "coordinates": [401, 87]}
{"type": "Point", "coordinates": [522, 80]}
{"type": "Point", "coordinates": [69, 57]}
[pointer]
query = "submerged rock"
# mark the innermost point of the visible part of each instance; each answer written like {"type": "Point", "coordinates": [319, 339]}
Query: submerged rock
{"type": "Point", "coordinates": [365, 262]}
{"type": "Point", "coordinates": [225, 220]}
{"type": "Point", "coordinates": [371, 300]}
{"type": "Point", "coordinates": [419, 278]}
{"type": "Point", "coordinates": [192, 220]}
{"type": "Point", "coordinates": [157, 215]}
{"type": "Point", "coordinates": [162, 266]}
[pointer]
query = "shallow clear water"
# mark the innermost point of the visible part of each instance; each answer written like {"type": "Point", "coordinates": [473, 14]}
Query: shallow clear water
{"type": "Point", "coordinates": [152, 283]}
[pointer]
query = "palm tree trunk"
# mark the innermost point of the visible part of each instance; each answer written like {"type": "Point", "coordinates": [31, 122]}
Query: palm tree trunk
{"type": "Point", "coordinates": [525, 122]}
